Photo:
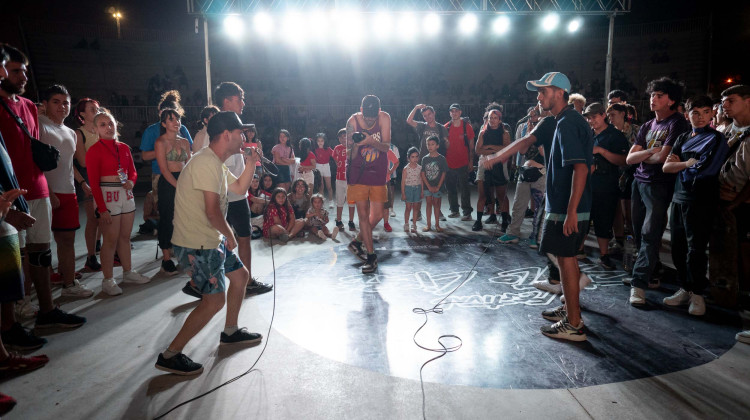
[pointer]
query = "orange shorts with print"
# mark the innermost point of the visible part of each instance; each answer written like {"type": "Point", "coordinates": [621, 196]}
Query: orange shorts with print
{"type": "Point", "coordinates": [372, 193]}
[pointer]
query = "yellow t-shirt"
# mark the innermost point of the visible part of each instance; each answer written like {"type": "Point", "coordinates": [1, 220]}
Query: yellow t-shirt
{"type": "Point", "coordinates": [204, 172]}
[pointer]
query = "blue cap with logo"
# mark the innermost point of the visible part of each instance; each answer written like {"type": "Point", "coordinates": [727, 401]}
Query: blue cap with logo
{"type": "Point", "coordinates": [553, 78]}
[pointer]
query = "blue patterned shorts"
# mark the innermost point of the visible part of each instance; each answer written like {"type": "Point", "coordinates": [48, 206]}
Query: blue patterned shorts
{"type": "Point", "coordinates": [209, 266]}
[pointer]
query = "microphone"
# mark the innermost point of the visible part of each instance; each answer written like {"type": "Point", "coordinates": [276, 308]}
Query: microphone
{"type": "Point", "coordinates": [249, 152]}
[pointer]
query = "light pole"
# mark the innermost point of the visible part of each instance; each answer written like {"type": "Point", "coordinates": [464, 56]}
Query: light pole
{"type": "Point", "coordinates": [117, 15]}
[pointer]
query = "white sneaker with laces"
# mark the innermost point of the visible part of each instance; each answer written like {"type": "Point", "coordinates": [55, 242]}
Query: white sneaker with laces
{"type": "Point", "coordinates": [110, 287]}
{"type": "Point", "coordinates": [393, 213]}
{"type": "Point", "coordinates": [743, 336]}
{"type": "Point", "coordinates": [77, 290]}
{"type": "Point", "coordinates": [26, 309]}
{"type": "Point", "coordinates": [681, 297]}
{"type": "Point", "coordinates": [637, 296]}
{"type": "Point", "coordinates": [334, 233]}
{"type": "Point", "coordinates": [133, 276]}
{"type": "Point", "coordinates": [549, 287]}
{"type": "Point", "coordinates": [697, 305]}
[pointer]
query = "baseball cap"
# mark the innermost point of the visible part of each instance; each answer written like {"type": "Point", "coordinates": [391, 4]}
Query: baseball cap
{"type": "Point", "coordinates": [370, 106]}
{"type": "Point", "coordinates": [595, 108]}
{"type": "Point", "coordinates": [455, 106]}
{"type": "Point", "coordinates": [553, 78]}
{"type": "Point", "coordinates": [225, 120]}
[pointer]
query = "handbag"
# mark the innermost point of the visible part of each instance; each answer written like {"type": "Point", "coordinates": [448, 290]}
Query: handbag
{"type": "Point", "coordinates": [529, 173]}
{"type": "Point", "coordinates": [45, 156]}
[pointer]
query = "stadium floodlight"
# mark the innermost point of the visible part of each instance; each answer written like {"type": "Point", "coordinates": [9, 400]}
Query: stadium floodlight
{"type": "Point", "coordinates": [501, 25]}
{"type": "Point", "coordinates": [382, 25]}
{"type": "Point", "coordinates": [263, 24]}
{"type": "Point", "coordinates": [574, 25]}
{"type": "Point", "coordinates": [468, 23]}
{"type": "Point", "coordinates": [234, 26]}
{"type": "Point", "coordinates": [318, 25]}
{"type": "Point", "coordinates": [550, 22]}
{"type": "Point", "coordinates": [350, 27]}
{"type": "Point", "coordinates": [407, 26]}
{"type": "Point", "coordinates": [293, 29]}
{"type": "Point", "coordinates": [432, 24]}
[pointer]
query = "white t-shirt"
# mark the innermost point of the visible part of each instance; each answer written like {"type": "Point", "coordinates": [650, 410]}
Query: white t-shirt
{"type": "Point", "coordinates": [236, 164]}
{"type": "Point", "coordinates": [60, 179]}
{"type": "Point", "coordinates": [201, 139]}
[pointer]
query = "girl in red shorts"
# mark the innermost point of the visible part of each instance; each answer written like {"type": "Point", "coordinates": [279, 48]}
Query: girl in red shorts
{"type": "Point", "coordinates": [112, 176]}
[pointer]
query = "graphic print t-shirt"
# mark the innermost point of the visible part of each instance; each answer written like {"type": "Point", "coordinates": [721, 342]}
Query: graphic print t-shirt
{"type": "Point", "coordinates": [433, 168]}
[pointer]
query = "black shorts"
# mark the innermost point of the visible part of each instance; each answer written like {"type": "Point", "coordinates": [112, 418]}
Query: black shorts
{"type": "Point", "coordinates": [559, 245]}
{"type": "Point", "coordinates": [495, 177]}
{"type": "Point", "coordinates": [238, 216]}
{"type": "Point", "coordinates": [603, 211]}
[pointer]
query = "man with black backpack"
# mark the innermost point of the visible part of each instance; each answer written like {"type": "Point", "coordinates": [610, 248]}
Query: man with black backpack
{"type": "Point", "coordinates": [460, 157]}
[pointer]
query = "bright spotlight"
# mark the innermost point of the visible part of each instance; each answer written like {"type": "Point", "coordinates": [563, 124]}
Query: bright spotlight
{"type": "Point", "coordinates": [318, 25]}
{"type": "Point", "coordinates": [550, 22]}
{"type": "Point", "coordinates": [469, 23]}
{"type": "Point", "coordinates": [501, 25]}
{"type": "Point", "coordinates": [432, 24]}
{"type": "Point", "coordinates": [294, 29]}
{"type": "Point", "coordinates": [407, 27]}
{"type": "Point", "coordinates": [263, 23]}
{"type": "Point", "coordinates": [574, 25]}
{"type": "Point", "coordinates": [350, 28]}
{"type": "Point", "coordinates": [233, 26]}
{"type": "Point", "coordinates": [382, 25]}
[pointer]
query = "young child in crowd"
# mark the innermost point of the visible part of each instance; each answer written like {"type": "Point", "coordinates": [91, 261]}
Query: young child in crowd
{"type": "Point", "coordinates": [283, 157]}
{"type": "Point", "coordinates": [299, 198]}
{"type": "Point", "coordinates": [339, 157]}
{"type": "Point", "coordinates": [390, 186]}
{"type": "Point", "coordinates": [323, 155]}
{"type": "Point", "coordinates": [279, 221]}
{"type": "Point", "coordinates": [434, 168]}
{"type": "Point", "coordinates": [696, 158]}
{"type": "Point", "coordinates": [307, 163]}
{"type": "Point", "coordinates": [317, 218]}
{"type": "Point", "coordinates": [411, 188]}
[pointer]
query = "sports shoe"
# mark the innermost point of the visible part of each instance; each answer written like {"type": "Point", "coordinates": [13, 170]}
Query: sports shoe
{"type": "Point", "coordinates": [387, 227]}
{"type": "Point", "coordinates": [179, 364]}
{"type": "Point", "coordinates": [371, 265]}
{"type": "Point", "coordinates": [393, 213]}
{"type": "Point", "coordinates": [654, 283]}
{"type": "Point", "coordinates": [340, 224]}
{"type": "Point", "coordinates": [58, 318]}
{"type": "Point", "coordinates": [133, 276]}
{"type": "Point", "coordinates": [321, 235]}
{"type": "Point", "coordinates": [6, 404]}
{"type": "Point", "coordinates": [110, 287]}
{"type": "Point", "coordinates": [190, 290]}
{"type": "Point", "coordinates": [549, 287]}
{"type": "Point", "coordinates": [508, 239]}
{"type": "Point", "coordinates": [77, 290]}
{"type": "Point", "coordinates": [56, 279]}
{"type": "Point", "coordinates": [442, 217]}
{"type": "Point", "coordinates": [627, 281]}
{"type": "Point", "coordinates": [256, 288]}
{"type": "Point", "coordinates": [492, 220]}
{"type": "Point", "coordinates": [168, 268]}
{"type": "Point", "coordinates": [26, 309]}
{"type": "Point", "coordinates": [357, 248]}
{"type": "Point", "coordinates": [697, 305]}
{"type": "Point", "coordinates": [453, 215]}
{"type": "Point", "coordinates": [743, 336]}
{"type": "Point", "coordinates": [564, 331]}
{"type": "Point", "coordinates": [352, 227]}
{"type": "Point", "coordinates": [477, 226]}
{"type": "Point", "coordinates": [334, 233]}
{"type": "Point", "coordinates": [533, 244]}
{"type": "Point", "coordinates": [241, 336]}
{"type": "Point", "coordinates": [16, 363]}
{"type": "Point", "coordinates": [681, 297]}
{"type": "Point", "coordinates": [555, 314]}
{"type": "Point", "coordinates": [406, 227]}
{"type": "Point", "coordinates": [606, 262]}
{"type": "Point", "coordinates": [20, 339]}
{"type": "Point", "coordinates": [92, 264]}
{"type": "Point", "coordinates": [467, 218]}
{"type": "Point", "coordinates": [419, 216]}
{"type": "Point", "coordinates": [580, 254]}
{"type": "Point", "coordinates": [637, 296]}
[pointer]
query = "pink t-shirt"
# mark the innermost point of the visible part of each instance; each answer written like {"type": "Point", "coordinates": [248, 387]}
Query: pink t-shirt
{"type": "Point", "coordinates": [30, 177]}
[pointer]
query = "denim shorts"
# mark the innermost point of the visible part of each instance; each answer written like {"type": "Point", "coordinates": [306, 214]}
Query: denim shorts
{"type": "Point", "coordinates": [209, 266]}
{"type": "Point", "coordinates": [438, 194]}
{"type": "Point", "coordinates": [413, 193]}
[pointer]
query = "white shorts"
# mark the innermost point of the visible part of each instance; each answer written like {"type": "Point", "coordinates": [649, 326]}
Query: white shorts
{"type": "Point", "coordinates": [117, 199]}
{"type": "Point", "coordinates": [324, 169]}
{"type": "Point", "coordinates": [309, 177]}
{"type": "Point", "coordinates": [41, 231]}
{"type": "Point", "coordinates": [341, 193]}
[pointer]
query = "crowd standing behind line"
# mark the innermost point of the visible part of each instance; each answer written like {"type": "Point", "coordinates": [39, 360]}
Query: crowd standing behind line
{"type": "Point", "coordinates": [692, 158]}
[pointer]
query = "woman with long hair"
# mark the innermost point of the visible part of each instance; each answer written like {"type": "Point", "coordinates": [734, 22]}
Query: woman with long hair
{"type": "Point", "coordinates": [86, 136]}
{"type": "Point", "coordinates": [201, 137]}
{"type": "Point", "coordinates": [172, 153]}
{"type": "Point", "coordinates": [112, 175]}
{"type": "Point", "coordinates": [323, 153]}
{"type": "Point", "coordinates": [307, 163]}
{"type": "Point", "coordinates": [283, 156]}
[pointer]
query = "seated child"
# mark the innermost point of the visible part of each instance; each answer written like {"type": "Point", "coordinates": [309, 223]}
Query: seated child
{"type": "Point", "coordinates": [317, 218]}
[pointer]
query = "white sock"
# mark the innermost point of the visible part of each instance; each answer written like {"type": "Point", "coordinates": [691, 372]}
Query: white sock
{"type": "Point", "coordinates": [230, 330]}
{"type": "Point", "coordinates": [168, 354]}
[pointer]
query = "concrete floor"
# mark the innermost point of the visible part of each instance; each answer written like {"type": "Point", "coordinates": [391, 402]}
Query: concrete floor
{"type": "Point", "coordinates": [104, 370]}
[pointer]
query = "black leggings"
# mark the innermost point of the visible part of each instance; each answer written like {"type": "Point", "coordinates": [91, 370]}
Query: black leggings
{"type": "Point", "coordinates": [166, 211]}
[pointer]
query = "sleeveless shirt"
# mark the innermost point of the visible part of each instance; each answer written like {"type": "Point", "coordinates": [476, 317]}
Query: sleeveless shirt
{"type": "Point", "coordinates": [369, 166]}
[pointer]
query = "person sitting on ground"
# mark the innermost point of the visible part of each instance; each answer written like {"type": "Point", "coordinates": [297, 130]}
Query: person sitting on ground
{"type": "Point", "coordinates": [150, 216]}
{"type": "Point", "coordinates": [279, 221]}
{"type": "Point", "coordinates": [316, 218]}
{"type": "Point", "coordinates": [299, 198]}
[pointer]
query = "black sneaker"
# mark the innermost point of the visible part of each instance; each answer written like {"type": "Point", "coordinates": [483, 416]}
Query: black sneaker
{"type": "Point", "coordinates": [241, 336]}
{"type": "Point", "coordinates": [92, 264]}
{"type": "Point", "coordinates": [168, 268]}
{"type": "Point", "coordinates": [340, 224]}
{"type": "Point", "coordinates": [59, 318]}
{"type": "Point", "coordinates": [492, 220]}
{"type": "Point", "coordinates": [555, 314]}
{"type": "Point", "coordinates": [179, 364]}
{"type": "Point", "coordinates": [442, 217]}
{"type": "Point", "coordinates": [477, 226]}
{"type": "Point", "coordinates": [190, 290]}
{"type": "Point", "coordinates": [454, 215]}
{"type": "Point", "coordinates": [564, 331]}
{"type": "Point", "coordinates": [352, 228]}
{"type": "Point", "coordinates": [606, 262]}
{"type": "Point", "coordinates": [371, 265]}
{"type": "Point", "coordinates": [20, 339]}
{"type": "Point", "coordinates": [357, 248]}
{"type": "Point", "coordinates": [257, 288]}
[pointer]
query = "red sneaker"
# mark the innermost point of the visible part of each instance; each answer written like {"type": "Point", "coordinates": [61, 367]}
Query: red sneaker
{"type": "Point", "coordinates": [387, 227]}
{"type": "Point", "coordinates": [18, 364]}
{"type": "Point", "coordinates": [6, 404]}
{"type": "Point", "coordinates": [55, 278]}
